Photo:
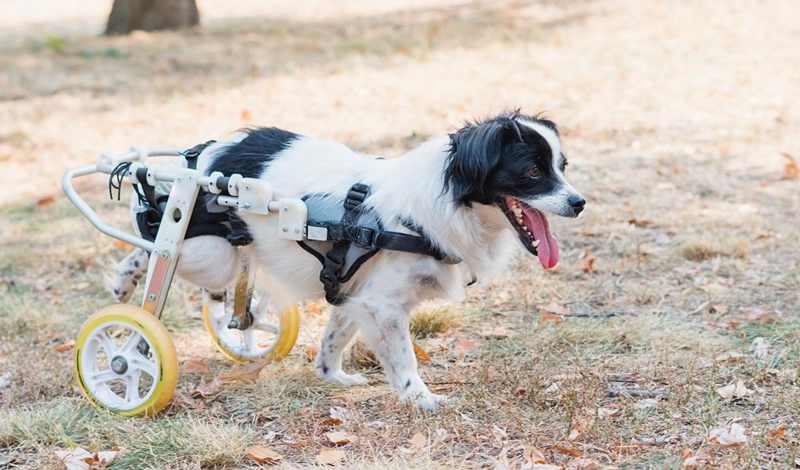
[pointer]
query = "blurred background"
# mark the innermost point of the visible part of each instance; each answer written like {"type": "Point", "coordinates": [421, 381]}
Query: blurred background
{"type": "Point", "coordinates": [681, 123]}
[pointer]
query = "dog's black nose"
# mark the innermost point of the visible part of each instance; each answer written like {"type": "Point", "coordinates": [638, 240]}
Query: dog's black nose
{"type": "Point", "coordinates": [577, 203]}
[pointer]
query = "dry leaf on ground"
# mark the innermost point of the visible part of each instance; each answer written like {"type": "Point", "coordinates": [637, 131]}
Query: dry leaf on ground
{"type": "Point", "coordinates": [313, 308]}
{"type": "Point", "coordinates": [422, 356]}
{"type": "Point", "coordinates": [122, 245]}
{"type": "Point", "coordinates": [330, 456]}
{"type": "Point", "coordinates": [567, 450]}
{"type": "Point", "coordinates": [263, 454]}
{"type": "Point", "coordinates": [45, 200]}
{"type": "Point", "coordinates": [246, 373]}
{"type": "Point", "coordinates": [340, 438]}
{"type": "Point", "coordinates": [331, 422]}
{"type": "Point", "coordinates": [66, 346]}
{"type": "Point", "coordinates": [546, 316]}
{"type": "Point", "coordinates": [207, 389]}
{"type": "Point", "coordinates": [418, 441]}
{"type": "Point", "coordinates": [776, 436]}
{"type": "Point", "coordinates": [588, 263]}
{"type": "Point", "coordinates": [731, 357]}
{"type": "Point", "coordinates": [534, 456]}
{"type": "Point", "coordinates": [734, 390]}
{"type": "Point", "coordinates": [555, 308]}
{"type": "Point", "coordinates": [195, 365]}
{"type": "Point", "coordinates": [81, 459]}
{"type": "Point", "coordinates": [310, 351]}
{"type": "Point", "coordinates": [732, 435]}
{"type": "Point", "coordinates": [791, 170]}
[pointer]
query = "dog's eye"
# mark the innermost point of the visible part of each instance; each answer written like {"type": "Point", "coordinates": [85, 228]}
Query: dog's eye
{"type": "Point", "coordinates": [533, 172]}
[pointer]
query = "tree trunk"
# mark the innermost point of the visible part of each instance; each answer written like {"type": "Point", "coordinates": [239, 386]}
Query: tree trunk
{"type": "Point", "coordinates": [151, 15]}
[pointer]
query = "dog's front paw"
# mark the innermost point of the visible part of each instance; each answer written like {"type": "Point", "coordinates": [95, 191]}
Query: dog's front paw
{"type": "Point", "coordinates": [341, 378]}
{"type": "Point", "coordinates": [427, 401]}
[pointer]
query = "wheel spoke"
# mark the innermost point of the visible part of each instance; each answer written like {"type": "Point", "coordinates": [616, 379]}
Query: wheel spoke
{"type": "Point", "coordinates": [247, 339]}
{"type": "Point", "coordinates": [140, 364]}
{"type": "Point", "coordinates": [103, 376]}
{"type": "Point", "coordinates": [132, 387]}
{"type": "Point", "coordinates": [264, 326]}
{"type": "Point", "coordinates": [131, 343]}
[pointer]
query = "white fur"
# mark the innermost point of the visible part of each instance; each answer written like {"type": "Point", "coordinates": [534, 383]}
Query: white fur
{"type": "Point", "coordinates": [390, 285]}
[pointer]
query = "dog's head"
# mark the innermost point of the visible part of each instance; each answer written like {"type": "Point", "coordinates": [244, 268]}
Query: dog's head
{"type": "Point", "coordinates": [514, 162]}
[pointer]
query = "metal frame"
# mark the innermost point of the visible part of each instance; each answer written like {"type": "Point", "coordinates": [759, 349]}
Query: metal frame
{"type": "Point", "coordinates": [247, 194]}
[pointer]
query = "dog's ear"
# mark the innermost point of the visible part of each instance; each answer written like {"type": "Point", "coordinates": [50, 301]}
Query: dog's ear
{"type": "Point", "coordinates": [475, 151]}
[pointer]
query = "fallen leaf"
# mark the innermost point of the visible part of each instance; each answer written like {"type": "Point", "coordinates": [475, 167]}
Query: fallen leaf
{"type": "Point", "coordinates": [732, 435]}
{"type": "Point", "coordinates": [246, 373]}
{"type": "Point", "coordinates": [775, 436]}
{"type": "Point", "coordinates": [422, 356]}
{"type": "Point", "coordinates": [246, 115]}
{"type": "Point", "coordinates": [791, 170]}
{"type": "Point", "coordinates": [207, 389]}
{"type": "Point", "coordinates": [588, 263]}
{"type": "Point", "coordinates": [81, 459]}
{"type": "Point", "coordinates": [546, 316]}
{"type": "Point", "coordinates": [310, 352]}
{"type": "Point", "coordinates": [579, 427]}
{"type": "Point", "coordinates": [263, 454]}
{"type": "Point", "coordinates": [553, 307]}
{"type": "Point", "coordinates": [122, 245]}
{"type": "Point", "coordinates": [567, 450]}
{"type": "Point", "coordinates": [66, 346]}
{"type": "Point", "coordinates": [734, 390]}
{"type": "Point", "coordinates": [330, 456]}
{"type": "Point", "coordinates": [45, 200]}
{"type": "Point", "coordinates": [340, 438]}
{"type": "Point", "coordinates": [733, 357]}
{"type": "Point", "coordinates": [534, 456]}
{"type": "Point", "coordinates": [313, 308]}
{"type": "Point", "coordinates": [418, 441]}
{"type": "Point", "coordinates": [641, 223]}
{"type": "Point", "coordinates": [605, 412]}
{"type": "Point", "coordinates": [195, 366]}
{"type": "Point", "coordinates": [331, 422]}
{"type": "Point", "coordinates": [759, 315]}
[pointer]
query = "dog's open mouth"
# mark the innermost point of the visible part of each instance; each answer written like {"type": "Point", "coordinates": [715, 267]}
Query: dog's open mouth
{"type": "Point", "coordinates": [533, 230]}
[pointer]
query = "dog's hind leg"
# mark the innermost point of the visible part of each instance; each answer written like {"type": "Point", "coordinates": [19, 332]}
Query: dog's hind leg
{"type": "Point", "coordinates": [338, 334]}
{"type": "Point", "coordinates": [127, 274]}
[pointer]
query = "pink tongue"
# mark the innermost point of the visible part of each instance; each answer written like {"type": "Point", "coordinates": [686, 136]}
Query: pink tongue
{"type": "Point", "coordinates": [548, 246]}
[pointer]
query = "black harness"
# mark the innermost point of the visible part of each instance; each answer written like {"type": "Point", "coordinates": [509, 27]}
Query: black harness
{"type": "Point", "coordinates": [350, 232]}
{"type": "Point", "coordinates": [358, 228]}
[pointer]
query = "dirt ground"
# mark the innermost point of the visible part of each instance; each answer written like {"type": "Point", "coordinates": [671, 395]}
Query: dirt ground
{"type": "Point", "coordinates": [681, 124]}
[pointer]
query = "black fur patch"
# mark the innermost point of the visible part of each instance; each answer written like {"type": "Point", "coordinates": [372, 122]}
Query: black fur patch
{"type": "Point", "coordinates": [498, 157]}
{"type": "Point", "coordinates": [252, 155]}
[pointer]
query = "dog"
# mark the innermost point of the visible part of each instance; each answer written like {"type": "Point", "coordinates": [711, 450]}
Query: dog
{"type": "Point", "coordinates": [472, 193]}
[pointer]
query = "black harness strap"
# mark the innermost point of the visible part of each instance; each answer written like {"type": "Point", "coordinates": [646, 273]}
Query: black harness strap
{"type": "Point", "coordinates": [348, 233]}
{"type": "Point", "coordinates": [191, 154]}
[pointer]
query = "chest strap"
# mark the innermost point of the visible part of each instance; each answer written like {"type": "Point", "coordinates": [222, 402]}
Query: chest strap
{"type": "Point", "coordinates": [348, 233]}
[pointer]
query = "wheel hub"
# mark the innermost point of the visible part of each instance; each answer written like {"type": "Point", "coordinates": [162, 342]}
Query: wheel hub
{"type": "Point", "coordinates": [119, 365]}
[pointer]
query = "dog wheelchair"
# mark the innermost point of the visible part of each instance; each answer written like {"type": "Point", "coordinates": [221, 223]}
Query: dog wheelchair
{"type": "Point", "coordinates": [125, 359]}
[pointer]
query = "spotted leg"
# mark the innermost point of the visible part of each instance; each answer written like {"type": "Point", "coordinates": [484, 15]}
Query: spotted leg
{"type": "Point", "coordinates": [127, 273]}
{"type": "Point", "coordinates": [338, 334]}
{"type": "Point", "coordinates": [385, 328]}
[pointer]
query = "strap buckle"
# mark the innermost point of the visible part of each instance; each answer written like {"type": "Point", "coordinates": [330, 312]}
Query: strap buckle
{"type": "Point", "coordinates": [363, 237]}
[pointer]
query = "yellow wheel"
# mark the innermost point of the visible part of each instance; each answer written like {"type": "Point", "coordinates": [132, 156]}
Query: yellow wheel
{"type": "Point", "coordinates": [125, 361]}
{"type": "Point", "coordinates": [269, 337]}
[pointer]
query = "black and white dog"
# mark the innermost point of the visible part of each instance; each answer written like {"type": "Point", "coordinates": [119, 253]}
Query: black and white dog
{"type": "Point", "coordinates": [472, 193]}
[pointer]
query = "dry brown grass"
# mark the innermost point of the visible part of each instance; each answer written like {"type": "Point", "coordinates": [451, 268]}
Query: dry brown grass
{"type": "Point", "coordinates": [689, 222]}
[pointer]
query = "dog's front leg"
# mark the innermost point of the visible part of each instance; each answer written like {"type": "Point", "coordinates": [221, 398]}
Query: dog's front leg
{"type": "Point", "coordinates": [385, 330]}
{"type": "Point", "coordinates": [338, 333]}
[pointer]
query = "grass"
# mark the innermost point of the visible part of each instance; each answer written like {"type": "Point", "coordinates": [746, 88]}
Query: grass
{"type": "Point", "coordinates": [689, 233]}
